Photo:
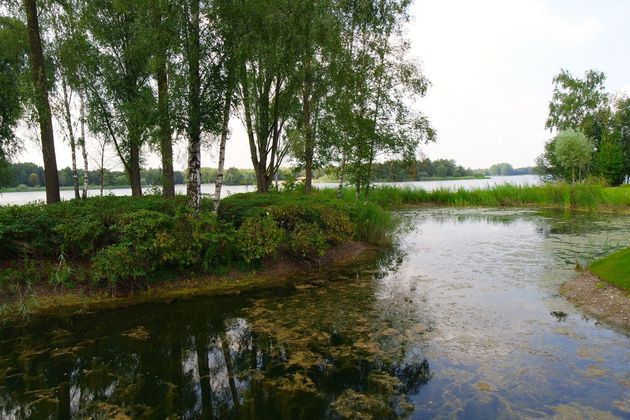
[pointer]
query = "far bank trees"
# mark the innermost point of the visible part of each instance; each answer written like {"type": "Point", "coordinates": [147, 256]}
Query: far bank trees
{"type": "Point", "coordinates": [582, 107]}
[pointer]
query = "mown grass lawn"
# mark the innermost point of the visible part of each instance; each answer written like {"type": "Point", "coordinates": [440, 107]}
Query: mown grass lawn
{"type": "Point", "coordinates": [614, 269]}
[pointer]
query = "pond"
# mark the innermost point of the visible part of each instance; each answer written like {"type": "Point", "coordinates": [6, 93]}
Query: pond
{"type": "Point", "coordinates": [461, 319]}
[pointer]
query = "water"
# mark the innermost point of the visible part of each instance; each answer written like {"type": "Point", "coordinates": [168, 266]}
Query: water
{"type": "Point", "coordinates": [31, 196]}
{"type": "Point", "coordinates": [462, 319]}
{"type": "Point", "coordinates": [25, 197]}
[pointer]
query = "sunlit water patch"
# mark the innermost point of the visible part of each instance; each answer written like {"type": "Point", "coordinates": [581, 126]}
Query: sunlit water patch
{"type": "Point", "coordinates": [462, 319]}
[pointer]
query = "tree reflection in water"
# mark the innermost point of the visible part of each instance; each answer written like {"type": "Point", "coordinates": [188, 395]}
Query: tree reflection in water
{"type": "Point", "coordinates": [333, 351]}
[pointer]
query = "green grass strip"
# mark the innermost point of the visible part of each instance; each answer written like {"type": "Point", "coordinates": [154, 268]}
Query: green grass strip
{"type": "Point", "coordinates": [614, 269]}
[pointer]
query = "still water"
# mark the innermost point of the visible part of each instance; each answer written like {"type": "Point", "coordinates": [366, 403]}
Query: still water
{"type": "Point", "coordinates": [461, 319]}
{"type": "Point", "coordinates": [31, 196]}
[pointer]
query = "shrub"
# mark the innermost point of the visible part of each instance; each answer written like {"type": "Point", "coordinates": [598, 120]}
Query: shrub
{"type": "Point", "coordinates": [336, 224]}
{"type": "Point", "coordinates": [196, 242]}
{"type": "Point", "coordinates": [115, 264]}
{"type": "Point", "coordinates": [258, 238]}
{"type": "Point", "coordinates": [307, 240]}
{"type": "Point", "coordinates": [80, 238]}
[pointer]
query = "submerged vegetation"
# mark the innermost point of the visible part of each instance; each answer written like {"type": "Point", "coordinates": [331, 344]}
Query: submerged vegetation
{"type": "Point", "coordinates": [614, 269]}
{"type": "Point", "coordinates": [125, 243]}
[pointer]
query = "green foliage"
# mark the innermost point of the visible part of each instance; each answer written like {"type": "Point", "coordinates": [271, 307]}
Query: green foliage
{"type": "Point", "coordinates": [126, 242]}
{"type": "Point", "coordinates": [580, 104]}
{"type": "Point", "coordinates": [610, 163]}
{"type": "Point", "coordinates": [115, 264]}
{"type": "Point", "coordinates": [307, 240]}
{"type": "Point", "coordinates": [62, 274]}
{"type": "Point", "coordinates": [13, 84]}
{"type": "Point", "coordinates": [258, 238]}
{"type": "Point", "coordinates": [567, 156]}
{"type": "Point", "coordinates": [583, 105]}
{"type": "Point", "coordinates": [573, 151]}
{"type": "Point", "coordinates": [614, 269]}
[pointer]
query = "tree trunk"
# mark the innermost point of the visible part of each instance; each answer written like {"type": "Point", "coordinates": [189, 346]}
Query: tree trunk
{"type": "Point", "coordinates": [134, 168]}
{"type": "Point", "coordinates": [166, 145]}
{"type": "Point", "coordinates": [218, 183]}
{"type": "Point", "coordinates": [194, 119]}
{"type": "Point", "coordinates": [73, 143]}
{"type": "Point", "coordinates": [201, 347]}
{"type": "Point", "coordinates": [86, 179]}
{"type": "Point", "coordinates": [309, 145]}
{"type": "Point", "coordinates": [229, 367]}
{"type": "Point", "coordinates": [342, 173]}
{"type": "Point", "coordinates": [38, 72]}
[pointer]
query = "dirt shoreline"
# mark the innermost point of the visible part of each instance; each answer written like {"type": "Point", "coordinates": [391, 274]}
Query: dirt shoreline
{"type": "Point", "coordinates": [285, 272]}
{"type": "Point", "coordinates": [601, 300]}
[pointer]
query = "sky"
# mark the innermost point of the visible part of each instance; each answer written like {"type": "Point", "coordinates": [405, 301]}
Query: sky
{"type": "Point", "coordinates": [491, 65]}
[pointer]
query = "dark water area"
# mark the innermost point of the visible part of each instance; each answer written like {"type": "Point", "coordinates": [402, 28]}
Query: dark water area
{"type": "Point", "coordinates": [461, 319]}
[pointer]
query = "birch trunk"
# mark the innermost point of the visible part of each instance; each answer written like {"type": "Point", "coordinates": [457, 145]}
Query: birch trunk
{"type": "Point", "coordinates": [218, 183]}
{"type": "Point", "coordinates": [194, 118]}
{"type": "Point", "coordinates": [71, 138]}
{"type": "Point", "coordinates": [86, 179]}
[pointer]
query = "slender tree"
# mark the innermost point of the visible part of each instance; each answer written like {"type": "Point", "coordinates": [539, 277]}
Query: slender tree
{"type": "Point", "coordinates": [162, 42]}
{"type": "Point", "coordinates": [82, 141]}
{"type": "Point", "coordinates": [42, 104]}
{"type": "Point", "coordinates": [197, 85]}
{"type": "Point", "coordinates": [267, 82]}
{"type": "Point", "coordinates": [121, 101]}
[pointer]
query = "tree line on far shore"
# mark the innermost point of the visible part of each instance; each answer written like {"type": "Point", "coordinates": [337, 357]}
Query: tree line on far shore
{"type": "Point", "coordinates": [29, 175]}
{"type": "Point", "coordinates": [327, 82]}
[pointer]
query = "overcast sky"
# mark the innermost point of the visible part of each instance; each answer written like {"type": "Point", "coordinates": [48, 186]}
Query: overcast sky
{"type": "Point", "coordinates": [491, 65]}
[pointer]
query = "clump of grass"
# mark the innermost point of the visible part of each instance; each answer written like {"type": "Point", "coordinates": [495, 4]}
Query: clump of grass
{"type": "Point", "coordinates": [614, 269]}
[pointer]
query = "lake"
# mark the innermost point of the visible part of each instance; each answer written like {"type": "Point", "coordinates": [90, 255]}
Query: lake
{"type": "Point", "coordinates": [461, 319]}
{"type": "Point", "coordinates": [31, 196]}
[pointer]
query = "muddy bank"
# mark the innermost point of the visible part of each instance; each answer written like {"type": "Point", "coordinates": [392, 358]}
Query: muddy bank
{"type": "Point", "coordinates": [283, 272]}
{"type": "Point", "coordinates": [605, 302]}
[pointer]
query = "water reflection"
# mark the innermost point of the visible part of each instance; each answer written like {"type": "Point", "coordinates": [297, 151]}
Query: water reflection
{"type": "Point", "coordinates": [271, 357]}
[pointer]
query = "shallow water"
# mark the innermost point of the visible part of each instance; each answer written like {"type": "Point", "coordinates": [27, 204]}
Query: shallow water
{"type": "Point", "coordinates": [462, 319]}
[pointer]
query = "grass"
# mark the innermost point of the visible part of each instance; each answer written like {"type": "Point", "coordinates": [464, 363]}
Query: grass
{"type": "Point", "coordinates": [561, 196]}
{"type": "Point", "coordinates": [614, 269]}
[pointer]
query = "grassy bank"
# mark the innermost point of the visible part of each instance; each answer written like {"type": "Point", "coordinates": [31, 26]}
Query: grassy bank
{"type": "Point", "coordinates": [122, 244]}
{"type": "Point", "coordinates": [614, 269]}
{"type": "Point", "coordinates": [561, 196]}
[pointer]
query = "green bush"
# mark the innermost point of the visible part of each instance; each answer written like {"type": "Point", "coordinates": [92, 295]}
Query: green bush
{"type": "Point", "coordinates": [80, 238]}
{"type": "Point", "coordinates": [307, 240]}
{"type": "Point", "coordinates": [258, 238]}
{"type": "Point", "coordinates": [336, 224]}
{"type": "Point", "coordinates": [115, 264]}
